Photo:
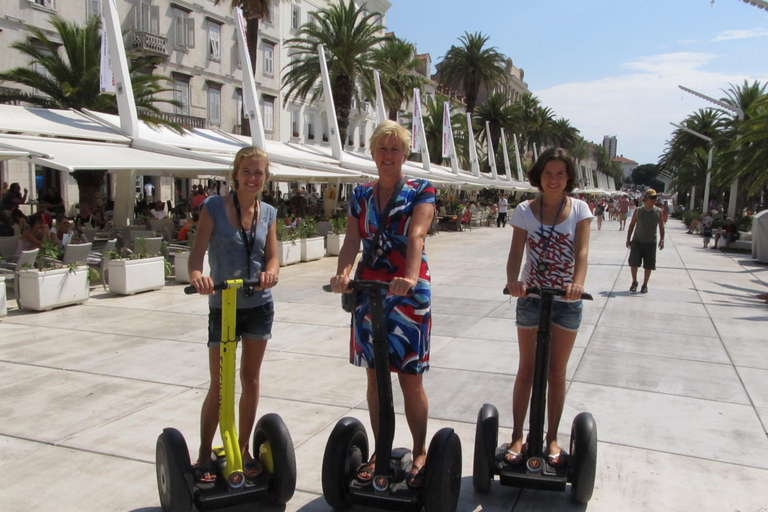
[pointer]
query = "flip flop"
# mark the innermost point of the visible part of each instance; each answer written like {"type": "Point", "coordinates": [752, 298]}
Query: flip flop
{"type": "Point", "coordinates": [513, 458]}
{"type": "Point", "coordinates": [205, 478]}
{"type": "Point", "coordinates": [416, 478]}
{"type": "Point", "coordinates": [558, 460]}
{"type": "Point", "coordinates": [366, 471]}
{"type": "Point", "coordinates": [633, 288]}
{"type": "Point", "coordinates": [644, 289]}
{"type": "Point", "coordinates": [252, 469]}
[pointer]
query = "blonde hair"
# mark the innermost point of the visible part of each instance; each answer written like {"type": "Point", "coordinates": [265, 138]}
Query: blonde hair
{"type": "Point", "coordinates": [248, 152]}
{"type": "Point", "coordinates": [387, 129]}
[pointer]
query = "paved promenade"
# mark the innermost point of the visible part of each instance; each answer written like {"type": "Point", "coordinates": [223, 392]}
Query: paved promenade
{"type": "Point", "coordinates": [676, 380]}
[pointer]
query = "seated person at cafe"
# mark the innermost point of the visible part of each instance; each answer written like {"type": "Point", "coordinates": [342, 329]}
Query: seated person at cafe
{"type": "Point", "coordinates": [33, 234]}
{"type": "Point", "coordinates": [189, 227]}
{"type": "Point", "coordinates": [42, 211]}
{"type": "Point", "coordinates": [84, 219]}
{"type": "Point", "coordinates": [158, 212]}
{"type": "Point", "coordinates": [54, 201]}
{"type": "Point", "coordinates": [61, 233]}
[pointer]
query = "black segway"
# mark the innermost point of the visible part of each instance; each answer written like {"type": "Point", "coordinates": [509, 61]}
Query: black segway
{"type": "Point", "coordinates": [272, 443]}
{"type": "Point", "coordinates": [347, 447]}
{"type": "Point", "coordinates": [535, 472]}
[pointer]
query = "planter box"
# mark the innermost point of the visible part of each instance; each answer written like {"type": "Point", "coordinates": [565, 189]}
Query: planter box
{"type": "Point", "coordinates": [288, 253]}
{"type": "Point", "coordinates": [335, 242]}
{"type": "Point", "coordinates": [127, 277]}
{"type": "Point", "coordinates": [3, 305]}
{"type": "Point", "coordinates": [48, 289]}
{"type": "Point", "coordinates": [312, 248]}
{"type": "Point", "coordinates": [181, 270]}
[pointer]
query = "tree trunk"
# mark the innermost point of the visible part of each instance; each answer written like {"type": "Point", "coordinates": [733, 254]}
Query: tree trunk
{"type": "Point", "coordinates": [90, 184]}
{"type": "Point", "coordinates": [342, 99]}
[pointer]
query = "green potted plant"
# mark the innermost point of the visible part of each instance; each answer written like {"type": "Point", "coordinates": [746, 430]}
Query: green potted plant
{"type": "Point", "coordinates": [336, 237]}
{"type": "Point", "coordinates": [288, 251]}
{"type": "Point", "coordinates": [138, 272]}
{"type": "Point", "coordinates": [312, 246]}
{"type": "Point", "coordinates": [53, 284]}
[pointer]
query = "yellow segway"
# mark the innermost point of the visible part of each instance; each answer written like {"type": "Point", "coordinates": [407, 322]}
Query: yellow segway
{"type": "Point", "coordinates": [272, 442]}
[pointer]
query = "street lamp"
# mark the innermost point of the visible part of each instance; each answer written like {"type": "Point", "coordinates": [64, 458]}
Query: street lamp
{"type": "Point", "coordinates": [738, 112]}
{"type": "Point", "coordinates": [709, 164]}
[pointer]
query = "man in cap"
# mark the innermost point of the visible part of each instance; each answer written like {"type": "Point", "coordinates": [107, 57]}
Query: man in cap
{"type": "Point", "coordinates": [642, 246]}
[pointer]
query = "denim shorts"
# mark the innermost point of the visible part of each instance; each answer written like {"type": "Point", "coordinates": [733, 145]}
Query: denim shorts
{"type": "Point", "coordinates": [253, 323]}
{"type": "Point", "coordinates": [565, 315]}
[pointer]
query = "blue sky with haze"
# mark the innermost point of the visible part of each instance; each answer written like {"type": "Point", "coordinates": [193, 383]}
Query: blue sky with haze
{"type": "Point", "coordinates": [609, 67]}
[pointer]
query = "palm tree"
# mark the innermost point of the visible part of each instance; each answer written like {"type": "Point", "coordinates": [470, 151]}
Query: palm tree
{"type": "Point", "coordinates": [751, 149]}
{"type": "Point", "coordinates": [349, 36]}
{"type": "Point", "coordinates": [73, 83]}
{"type": "Point", "coordinates": [433, 129]}
{"type": "Point", "coordinates": [253, 12]}
{"type": "Point", "coordinates": [471, 65]}
{"type": "Point", "coordinates": [563, 134]}
{"type": "Point", "coordinates": [499, 114]}
{"type": "Point", "coordinates": [397, 64]}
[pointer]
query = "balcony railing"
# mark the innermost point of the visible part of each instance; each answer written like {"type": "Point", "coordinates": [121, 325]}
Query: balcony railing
{"type": "Point", "coordinates": [183, 119]}
{"type": "Point", "coordinates": [149, 43]}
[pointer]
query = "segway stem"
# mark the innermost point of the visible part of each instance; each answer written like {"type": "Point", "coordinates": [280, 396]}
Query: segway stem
{"type": "Point", "coordinates": [386, 433]}
{"type": "Point", "coordinates": [227, 372]}
{"type": "Point", "coordinates": [540, 373]}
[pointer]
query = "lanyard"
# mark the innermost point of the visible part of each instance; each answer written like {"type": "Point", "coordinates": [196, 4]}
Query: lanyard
{"type": "Point", "coordinates": [248, 242]}
{"type": "Point", "coordinates": [543, 265]}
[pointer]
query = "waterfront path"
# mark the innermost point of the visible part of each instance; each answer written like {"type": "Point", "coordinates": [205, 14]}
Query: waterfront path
{"type": "Point", "coordinates": [675, 378]}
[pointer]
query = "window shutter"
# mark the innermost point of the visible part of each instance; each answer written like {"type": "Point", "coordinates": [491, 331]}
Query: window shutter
{"type": "Point", "coordinates": [154, 20]}
{"type": "Point", "coordinates": [190, 32]}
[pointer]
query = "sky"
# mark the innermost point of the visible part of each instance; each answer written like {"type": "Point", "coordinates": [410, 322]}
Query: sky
{"type": "Point", "coordinates": [611, 67]}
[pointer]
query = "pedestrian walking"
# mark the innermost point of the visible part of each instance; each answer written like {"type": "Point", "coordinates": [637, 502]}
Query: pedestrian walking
{"type": "Point", "coordinates": [642, 246]}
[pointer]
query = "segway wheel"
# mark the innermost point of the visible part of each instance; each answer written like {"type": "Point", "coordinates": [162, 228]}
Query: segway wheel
{"type": "Point", "coordinates": [273, 443]}
{"type": "Point", "coordinates": [584, 457]}
{"type": "Point", "coordinates": [486, 437]}
{"type": "Point", "coordinates": [346, 450]}
{"type": "Point", "coordinates": [442, 482]}
{"type": "Point", "coordinates": [175, 479]}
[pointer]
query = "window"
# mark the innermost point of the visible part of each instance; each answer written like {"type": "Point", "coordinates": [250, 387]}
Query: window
{"type": "Point", "coordinates": [295, 17]}
{"type": "Point", "coordinates": [350, 135]}
{"type": "Point", "coordinates": [183, 29]}
{"type": "Point", "coordinates": [325, 128]}
{"type": "Point", "coordinates": [269, 113]}
{"type": "Point", "coordinates": [49, 4]}
{"type": "Point", "coordinates": [362, 135]}
{"type": "Point", "coordinates": [214, 103]}
{"type": "Point", "coordinates": [270, 17]}
{"type": "Point", "coordinates": [269, 59]}
{"type": "Point", "coordinates": [181, 84]}
{"type": "Point", "coordinates": [294, 122]}
{"type": "Point", "coordinates": [42, 49]}
{"type": "Point", "coordinates": [147, 17]}
{"type": "Point", "coordinates": [241, 105]}
{"type": "Point", "coordinates": [214, 40]}
{"type": "Point", "coordinates": [92, 8]}
{"type": "Point", "coordinates": [310, 126]}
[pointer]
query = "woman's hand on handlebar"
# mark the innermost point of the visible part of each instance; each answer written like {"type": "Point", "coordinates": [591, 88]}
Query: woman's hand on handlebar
{"type": "Point", "coordinates": [267, 280]}
{"type": "Point", "coordinates": [203, 284]}
{"type": "Point", "coordinates": [402, 285]}
{"type": "Point", "coordinates": [340, 283]}
{"type": "Point", "coordinates": [573, 291]}
{"type": "Point", "coordinates": [517, 288]}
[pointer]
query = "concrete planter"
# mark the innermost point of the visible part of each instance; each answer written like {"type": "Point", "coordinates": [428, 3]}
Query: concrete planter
{"type": "Point", "coordinates": [335, 243]}
{"type": "Point", "coordinates": [48, 289]}
{"type": "Point", "coordinates": [312, 248]}
{"type": "Point", "coordinates": [127, 277]}
{"type": "Point", "coordinates": [288, 253]}
{"type": "Point", "coordinates": [181, 266]}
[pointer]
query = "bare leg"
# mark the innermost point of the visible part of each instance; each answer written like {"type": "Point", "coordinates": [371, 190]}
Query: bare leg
{"type": "Point", "coordinates": [521, 393]}
{"type": "Point", "coordinates": [416, 413]}
{"type": "Point", "coordinates": [562, 344]}
{"type": "Point", "coordinates": [250, 368]}
{"type": "Point", "coordinates": [646, 276]}
{"type": "Point", "coordinates": [633, 270]}
{"type": "Point", "coordinates": [209, 416]}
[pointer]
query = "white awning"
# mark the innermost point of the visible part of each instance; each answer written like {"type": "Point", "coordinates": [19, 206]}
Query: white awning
{"type": "Point", "coordinates": [54, 123]}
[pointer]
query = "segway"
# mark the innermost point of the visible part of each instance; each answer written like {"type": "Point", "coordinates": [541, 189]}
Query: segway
{"type": "Point", "coordinates": [535, 472]}
{"type": "Point", "coordinates": [347, 447]}
{"type": "Point", "coordinates": [272, 442]}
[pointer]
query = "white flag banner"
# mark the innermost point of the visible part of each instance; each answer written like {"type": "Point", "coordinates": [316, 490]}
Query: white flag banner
{"type": "Point", "coordinates": [417, 124]}
{"type": "Point", "coordinates": [106, 78]}
{"type": "Point", "coordinates": [446, 130]}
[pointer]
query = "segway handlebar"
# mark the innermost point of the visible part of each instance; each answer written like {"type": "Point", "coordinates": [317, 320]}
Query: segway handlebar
{"type": "Point", "coordinates": [364, 285]}
{"type": "Point", "coordinates": [246, 283]}
{"type": "Point", "coordinates": [554, 291]}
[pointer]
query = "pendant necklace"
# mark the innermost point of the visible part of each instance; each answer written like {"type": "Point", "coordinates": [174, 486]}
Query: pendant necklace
{"type": "Point", "coordinates": [543, 266]}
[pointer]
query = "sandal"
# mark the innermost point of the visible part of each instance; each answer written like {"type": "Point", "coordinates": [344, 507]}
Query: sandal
{"type": "Point", "coordinates": [633, 288]}
{"type": "Point", "coordinates": [514, 458]}
{"type": "Point", "coordinates": [205, 478]}
{"type": "Point", "coordinates": [644, 289]}
{"type": "Point", "coordinates": [366, 471]}
{"type": "Point", "coordinates": [416, 478]}
{"type": "Point", "coordinates": [557, 460]}
{"type": "Point", "coordinates": [252, 469]}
